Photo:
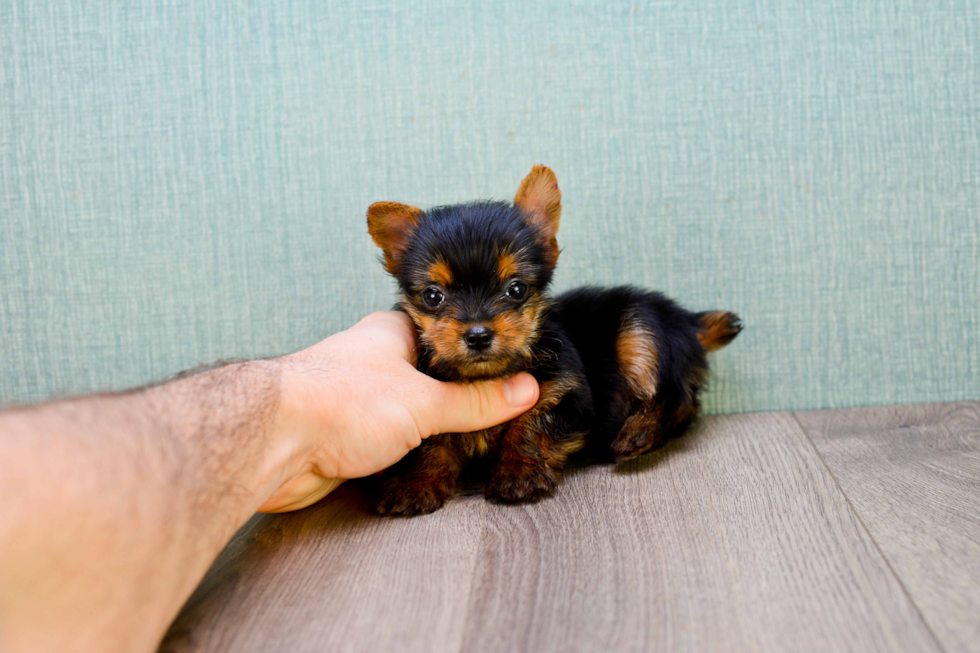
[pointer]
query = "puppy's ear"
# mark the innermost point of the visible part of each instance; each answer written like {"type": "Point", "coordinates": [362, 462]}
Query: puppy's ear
{"type": "Point", "coordinates": [391, 225]}
{"type": "Point", "coordinates": [540, 200]}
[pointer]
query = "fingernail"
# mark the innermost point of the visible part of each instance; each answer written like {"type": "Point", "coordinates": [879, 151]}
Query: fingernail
{"type": "Point", "coordinates": [519, 390]}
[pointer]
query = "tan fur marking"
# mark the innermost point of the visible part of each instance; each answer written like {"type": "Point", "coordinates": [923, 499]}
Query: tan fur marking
{"type": "Point", "coordinates": [556, 454]}
{"type": "Point", "coordinates": [511, 329]}
{"type": "Point", "coordinates": [445, 336]}
{"type": "Point", "coordinates": [642, 431]}
{"type": "Point", "coordinates": [480, 443]}
{"type": "Point", "coordinates": [422, 321]}
{"type": "Point", "coordinates": [718, 329]}
{"type": "Point", "coordinates": [553, 391]}
{"type": "Point", "coordinates": [540, 198]}
{"type": "Point", "coordinates": [507, 266]}
{"type": "Point", "coordinates": [636, 351]}
{"type": "Point", "coordinates": [441, 273]}
{"type": "Point", "coordinates": [551, 394]}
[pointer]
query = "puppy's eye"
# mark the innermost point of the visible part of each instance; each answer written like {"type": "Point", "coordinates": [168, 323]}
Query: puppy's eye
{"type": "Point", "coordinates": [432, 297]}
{"type": "Point", "coordinates": [517, 290]}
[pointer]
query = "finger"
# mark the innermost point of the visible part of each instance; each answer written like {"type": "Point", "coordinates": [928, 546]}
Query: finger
{"type": "Point", "coordinates": [466, 407]}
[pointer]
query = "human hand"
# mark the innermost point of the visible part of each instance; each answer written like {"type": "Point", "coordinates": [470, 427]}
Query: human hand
{"type": "Point", "coordinates": [355, 404]}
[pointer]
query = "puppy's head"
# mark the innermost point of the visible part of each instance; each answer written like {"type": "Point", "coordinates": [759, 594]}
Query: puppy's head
{"type": "Point", "coordinates": [473, 277]}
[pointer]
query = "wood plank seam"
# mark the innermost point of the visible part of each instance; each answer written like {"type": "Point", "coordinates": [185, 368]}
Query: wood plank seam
{"type": "Point", "coordinates": [860, 520]}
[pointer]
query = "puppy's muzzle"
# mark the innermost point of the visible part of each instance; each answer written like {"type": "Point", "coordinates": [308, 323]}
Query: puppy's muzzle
{"type": "Point", "coordinates": [478, 337]}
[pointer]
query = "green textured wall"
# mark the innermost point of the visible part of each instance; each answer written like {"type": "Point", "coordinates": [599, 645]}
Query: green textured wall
{"type": "Point", "coordinates": [184, 181]}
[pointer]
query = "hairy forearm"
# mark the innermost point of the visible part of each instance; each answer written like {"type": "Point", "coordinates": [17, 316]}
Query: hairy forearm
{"type": "Point", "coordinates": [115, 505]}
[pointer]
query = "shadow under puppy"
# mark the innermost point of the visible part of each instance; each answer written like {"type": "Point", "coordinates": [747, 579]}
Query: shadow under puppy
{"type": "Point", "coordinates": [619, 369]}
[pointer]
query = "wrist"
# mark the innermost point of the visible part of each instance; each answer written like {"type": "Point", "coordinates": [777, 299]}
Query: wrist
{"type": "Point", "coordinates": [298, 422]}
{"type": "Point", "coordinates": [252, 440]}
{"type": "Point", "coordinates": [302, 465]}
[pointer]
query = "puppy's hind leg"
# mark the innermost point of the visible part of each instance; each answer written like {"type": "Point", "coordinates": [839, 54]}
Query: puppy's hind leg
{"type": "Point", "coordinates": [643, 431]}
{"type": "Point", "coordinates": [639, 366]}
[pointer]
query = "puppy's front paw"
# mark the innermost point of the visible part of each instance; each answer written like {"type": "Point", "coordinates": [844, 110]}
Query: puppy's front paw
{"type": "Point", "coordinates": [408, 497]}
{"type": "Point", "coordinates": [515, 481]}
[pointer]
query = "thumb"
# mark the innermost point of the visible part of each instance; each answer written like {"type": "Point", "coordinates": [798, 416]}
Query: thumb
{"type": "Point", "coordinates": [466, 407]}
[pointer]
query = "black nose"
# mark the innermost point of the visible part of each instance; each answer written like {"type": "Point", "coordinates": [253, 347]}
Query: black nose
{"type": "Point", "coordinates": [478, 337]}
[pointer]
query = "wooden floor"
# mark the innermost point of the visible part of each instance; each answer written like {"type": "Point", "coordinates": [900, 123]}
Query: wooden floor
{"type": "Point", "coordinates": [852, 530]}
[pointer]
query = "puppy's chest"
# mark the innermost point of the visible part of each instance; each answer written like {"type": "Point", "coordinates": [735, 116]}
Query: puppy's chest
{"type": "Point", "coordinates": [539, 419]}
{"type": "Point", "coordinates": [480, 443]}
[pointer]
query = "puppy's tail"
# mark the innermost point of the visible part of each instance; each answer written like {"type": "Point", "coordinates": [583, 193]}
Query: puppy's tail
{"type": "Point", "coordinates": [717, 329]}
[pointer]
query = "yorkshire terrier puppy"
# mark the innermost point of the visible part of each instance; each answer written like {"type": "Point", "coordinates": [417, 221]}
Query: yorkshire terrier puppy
{"type": "Point", "coordinates": [619, 369]}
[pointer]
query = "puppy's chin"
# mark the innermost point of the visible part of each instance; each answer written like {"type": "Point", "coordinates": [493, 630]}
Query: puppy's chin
{"type": "Point", "coordinates": [467, 368]}
{"type": "Point", "coordinates": [474, 370]}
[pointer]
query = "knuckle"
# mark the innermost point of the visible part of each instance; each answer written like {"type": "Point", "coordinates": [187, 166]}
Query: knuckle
{"type": "Point", "coordinates": [481, 404]}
